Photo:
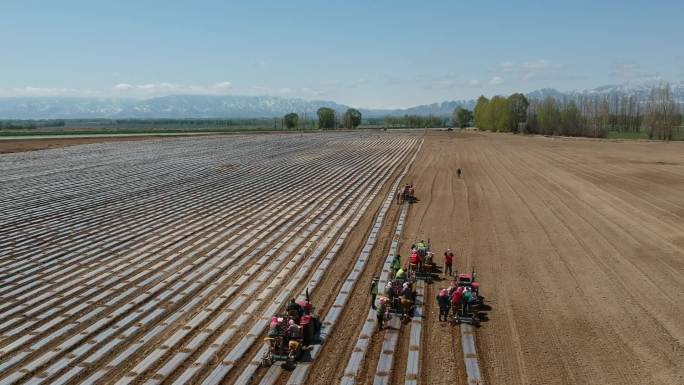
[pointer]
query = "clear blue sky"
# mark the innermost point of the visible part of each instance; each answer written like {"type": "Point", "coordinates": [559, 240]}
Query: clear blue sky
{"type": "Point", "coordinates": [372, 53]}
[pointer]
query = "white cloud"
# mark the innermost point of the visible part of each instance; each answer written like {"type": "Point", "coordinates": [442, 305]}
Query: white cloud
{"type": "Point", "coordinates": [223, 85]}
{"type": "Point", "coordinates": [123, 87]}
{"type": "Point", "coordinates": [496, 80]}
{"type": "Point", "coordinates": [283, 91]}
{"type": "Point", "coordinates": [536, 64]}
{"type": "Point", "coordinates": [312, 92]}
{"type": "Point", "coordinates": [533, 69]}
{"type": "Point", "coordinates": [157, 89]}
{"type": "Point", "coordinates": [507, 66]}
{"type": "Point", "coordinates": [448, 82]}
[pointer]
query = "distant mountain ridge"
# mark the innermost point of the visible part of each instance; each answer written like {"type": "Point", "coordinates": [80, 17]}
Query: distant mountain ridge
{"type": "Point", "coordinates": [173, 107]}
{"type": "Point", "coordinates": [236, 106]}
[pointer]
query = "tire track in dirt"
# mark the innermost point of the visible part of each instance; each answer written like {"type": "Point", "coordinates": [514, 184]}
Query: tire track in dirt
{"type": "Point", "coordinates": [596, 246]}
{"type": "Point", "coordinates": [591, 339]}
{"type": "Point", "coordinates": [434, 175]}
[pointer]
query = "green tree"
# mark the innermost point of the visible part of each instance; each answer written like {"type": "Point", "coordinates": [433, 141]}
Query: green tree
{"type": "Point", "coordinates": [661, 113]}
{"type": "Point", "coordinates": [462, 117]}
{"type": "Point", "coordinates": [499, 112]}
{"type": "Point", "coordinates": [518, 104]}
{"type": "Point", "coordinates": [291, 120]}
{"type": "Point", "coordinates": [571, 120]}
{"type": "Point", "coordinates": [548, 117]}
{"type": "Point", "coordinates": [351, 118]}
{"type": "Point", "coordinates": [326, 118]}
{"type": "Point", "coordinates": [481, 113]}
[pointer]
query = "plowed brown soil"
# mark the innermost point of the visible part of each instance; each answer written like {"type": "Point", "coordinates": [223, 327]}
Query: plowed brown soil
{"type": "Point", "coordinates": [579, 245]}
{"type": "Point", "coordinates": [22, 145]}
{"type": "Point", "coordinates": [580, 249]}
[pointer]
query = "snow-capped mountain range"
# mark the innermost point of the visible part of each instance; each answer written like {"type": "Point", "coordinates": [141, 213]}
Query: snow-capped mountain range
{"type": "Point", "coordinates": [235, 106]}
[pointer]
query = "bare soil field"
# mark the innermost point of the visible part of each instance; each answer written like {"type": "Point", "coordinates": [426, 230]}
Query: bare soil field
{"type": "Point", "coordinates": [579, 246]}
{"type": "Point", "coordinates": [8, 146]}
{"type": "Point", "coordinates": [580, 249]}
{"type": "Point", "coordinates": [161, 261]}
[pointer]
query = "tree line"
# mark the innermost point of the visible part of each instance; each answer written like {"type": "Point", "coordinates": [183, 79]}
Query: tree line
{"type": "Point", "coordinates": [327, 119]}
{"type": "Point", "coordinates": [589, 115]}
{"type": "Point", "coordinates": [414, 121]}
{"type": "Point", "coordinates": [30, 124]}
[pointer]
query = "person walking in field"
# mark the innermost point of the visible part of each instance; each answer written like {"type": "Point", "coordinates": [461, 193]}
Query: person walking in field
{"type": "Point", "coordinates": [448, 262]}
{"type": "Point", "coordinates": [374, 291]}
{"type": "Point", "coordinates": [443, 302]}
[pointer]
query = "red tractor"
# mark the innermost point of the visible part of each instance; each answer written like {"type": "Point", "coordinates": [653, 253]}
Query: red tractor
{"type": "Point", "coordinates": [470, 309]}
{"type": "Point", "coordinates": [291, 334]}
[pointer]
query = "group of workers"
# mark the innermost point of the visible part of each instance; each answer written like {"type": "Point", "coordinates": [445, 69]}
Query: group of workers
{"type": "Point", "coordinates": [406, 193]}
{"type": "Point", "coordinates": [398, 294]}
{"type": "Point", "coordinates": [297, 324]}
{"type": "Point", "coordinates": [457, 298]}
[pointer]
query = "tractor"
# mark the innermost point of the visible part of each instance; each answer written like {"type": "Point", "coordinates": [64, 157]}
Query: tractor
{"type": "Point", "coordinates": [470, 311]}
{"type": "Point", "coordinates": [421, 262]}
{"type": "Point", "coordinates": [291, 334]}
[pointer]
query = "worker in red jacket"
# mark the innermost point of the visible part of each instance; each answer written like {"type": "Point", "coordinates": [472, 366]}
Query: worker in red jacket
{"type": "Point", "coordinates": [448, 262]}
{"type": "Point", "coordinates": [456, 300]}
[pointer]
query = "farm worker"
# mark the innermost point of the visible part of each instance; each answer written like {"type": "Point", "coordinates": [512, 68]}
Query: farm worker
{"type": "Point", "coordinates": [305, 307]}
{"type": "Point", "coordinates": [388, 289]}
{"type": "Point", "coordinates": [456, 299]}
{"type": "Point", "coordinates": [396, 263]}
{"type": "Point", "coordinates": [273, 327]}
{"type": "Point", "coordinates": [443, 302]}
{"type": "Point", "coordinates": [293, 330]}
{"type": "Point", "coordinates": [414, 259]}
{"type": "Point", "coordinates": [293, 308]}
{"type": "Point", "coordinates": [380, 314]}
{"type": "Point", "coordinates": [406, 305]}
{"type": "Point", "coordinates": [406, 291]}
{"type": "Point", "coordinates": [448, 262]}
{"type": "Point", "coordinates": [279, 328]}
{"type": "Point", "coordinates": [374, 291]}
{"type": "Point", "coordinates": [428, 258]}
{"type": "Point", "coordinates": [467, 299]}
{"type": "Point", "coordinates": [401, 274]}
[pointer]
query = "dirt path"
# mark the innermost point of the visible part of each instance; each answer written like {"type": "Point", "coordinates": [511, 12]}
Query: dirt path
{"type": "Point", "coordinates": [580, 248]}
{"type": "Point", "coordinates": [441, 216]}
